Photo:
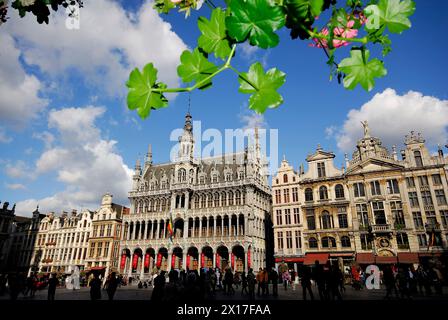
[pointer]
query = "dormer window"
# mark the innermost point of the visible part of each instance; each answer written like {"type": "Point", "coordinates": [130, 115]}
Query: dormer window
{"type": "Point", "coordinates": [228, 177]}
{"type": "Point", "coordinates": [285, 178]}
{"type": "Point", "coordinates": [241, 175]}
{"type": "Point", "coordinates": [321, 170]}
{"type": "Point", "coordinates": [181, 175]}
{"type": "Point", "coordinates": [202, 180]}
{"type": "Point", "coordinates": [215, 178]}
{"type": "Point", "coordinates": [418, 159]}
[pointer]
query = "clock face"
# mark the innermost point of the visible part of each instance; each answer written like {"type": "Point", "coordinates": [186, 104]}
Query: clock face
{"type": "Point", "coordinates": [383, 242]}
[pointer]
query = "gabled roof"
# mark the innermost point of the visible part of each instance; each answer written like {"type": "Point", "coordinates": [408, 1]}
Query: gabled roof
{"type": "Point", "coordinates": [373, 164]}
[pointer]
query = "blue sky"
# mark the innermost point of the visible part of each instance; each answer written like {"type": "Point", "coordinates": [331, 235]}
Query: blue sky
{"type": "Point", "coordinates": [315, 110]}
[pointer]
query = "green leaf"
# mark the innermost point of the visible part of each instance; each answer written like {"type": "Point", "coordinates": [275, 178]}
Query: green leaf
{"type": "Point", "coordinates": [142, 95]}
{"type": "Point", "coordinates": [358, 69]}
{"type": "Point", "coordinates": [214, 37]}
{"type": "Point", "coordinates": [392, 14]}
{"type": "Point", "coordinates": [256, 20]}
{"type": "Point", "coordinates": [195, 67]}
{"type": "Point", "coordinates": [263, 87]}
{"type": "Point", "coordinates": [164, 6]}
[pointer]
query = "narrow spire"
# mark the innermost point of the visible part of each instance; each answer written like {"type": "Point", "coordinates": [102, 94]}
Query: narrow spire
{"type": "Point", "coordinates": [149, 155]}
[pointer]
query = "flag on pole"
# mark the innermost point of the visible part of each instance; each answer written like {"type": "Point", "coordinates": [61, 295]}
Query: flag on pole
{"type": "Point", "coordinates": [170, 227]}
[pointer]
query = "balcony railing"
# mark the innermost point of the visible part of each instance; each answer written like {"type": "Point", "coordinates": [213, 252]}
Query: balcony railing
{"type": "Point", "coordinates": [377, 228]}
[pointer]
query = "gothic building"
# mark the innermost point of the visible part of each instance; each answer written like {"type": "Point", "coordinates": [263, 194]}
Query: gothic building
{"type": "Point", "coordinates": [217, 205]}
{"type": "Point", "coordinates": [6, 222]}
{"type": "Point", "coordinates": [381, 207]}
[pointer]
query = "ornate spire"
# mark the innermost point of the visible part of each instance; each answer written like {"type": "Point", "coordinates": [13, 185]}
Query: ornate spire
{"type": "Point", "coordinates": [188, 125]}
{"type": "Point", "coordinates": [149, 155]}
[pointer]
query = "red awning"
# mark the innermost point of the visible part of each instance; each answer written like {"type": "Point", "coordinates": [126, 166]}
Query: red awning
{"type": "Point", "coordinates": [365, 258]}
{"type": "Point", "coordinates": [341, 254]}
{"type": "Point", "coordinates": [97, 268]}
{"type": "Point", "coordinates": [311, 258]}
{"type": "Point", "coordinates": [407, 257]}
{"type": "Point", "coordinates": [294, 259]}
{"type": "Point", "coordinates": [385, 260]}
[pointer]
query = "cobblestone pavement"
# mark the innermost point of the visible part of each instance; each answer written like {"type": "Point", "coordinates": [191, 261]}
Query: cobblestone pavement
{"type": "Point", "coordinates": [133, 293]}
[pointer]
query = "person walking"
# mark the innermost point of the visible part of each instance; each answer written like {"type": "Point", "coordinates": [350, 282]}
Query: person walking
{"type": "Point", "coordinates": [334, 281]}
{"type": "Point", "coordinates": [159, 287]}
{"type": "Point", "coordinates": [265, 285]}
{"type": "Point", "coordinates": [251, 280]}
{"type": "Point", "coordinates": [306, 282]}
{"type": "Point", "coordinates": [319, 278]}
{"type": "Point", "coordinates": [286, 279]}
{"type": "Point", "coordinates": [260, 279]}
{"type": "Point", "coordinates": [52, 284]}
{"type": "Point", "coordinates": [95, 288]}
{"type": "Point", "coordinates": [274, 280]}
{"type": "Point", "coordinates": [293, 280]}
{"type": "Point", "coordinates": [244, 283]}
{"type": "Point", "coordinates": [112, 285]}
{"type": "Point", "coordinates": [403, 283]}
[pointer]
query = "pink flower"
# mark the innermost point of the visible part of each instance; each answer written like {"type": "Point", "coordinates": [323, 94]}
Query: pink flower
{"type": "Point", "coordinates": [346, 32]}
{"type": "Point", "coordinates": [176, 1]}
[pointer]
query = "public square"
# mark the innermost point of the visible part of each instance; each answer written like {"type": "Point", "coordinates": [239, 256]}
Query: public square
{"type": "Point", "coordinates": [134, 293]}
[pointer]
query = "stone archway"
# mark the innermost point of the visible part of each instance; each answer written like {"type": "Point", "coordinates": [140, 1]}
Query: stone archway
{"type": "Point", "coordinates": [137, 258]}
{"type": "Point", "coordinates": [237, 258]}
{"type": "Point", "coordinates": [125, 260]}
{"type": "Point", "coordinates": [207, 257]}
{"type": "Point", "coordinates": [176, 259]}
{"type": "Point", "coordinates": [162, 259]}
{"type": "Point", "coordinates": [149, 260]}
{"type": "Point", "coordinates": [192, 258]}
{"type": "Point", "coordinates": [222, 257]}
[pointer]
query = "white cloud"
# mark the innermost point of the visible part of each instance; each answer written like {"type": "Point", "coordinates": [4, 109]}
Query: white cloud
{"type": "Point", "coordinates": [19, 92]}
{"type": "Point", "coordinates": [17, 170]}
{"type": "Point", "coordinates": [15, 186]}
{"type": "Point", "coordinates": [391, 116]}
{"type": "Point", "coordinates": [86, 164]}
{"type": "Point", "coordinates": [46, 137]}
{"type": "Point", "coordinates": [109, 43]}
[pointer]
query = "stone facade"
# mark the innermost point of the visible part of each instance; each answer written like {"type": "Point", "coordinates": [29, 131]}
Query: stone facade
{"type": "Point", "coordinates": [104, 241]}
{"type": "Point", "coordinates": [215, 206]}
{"type": "Point", "coordinates": [62, 241]}
{"type": "Point", "coordinates": [378, 209]}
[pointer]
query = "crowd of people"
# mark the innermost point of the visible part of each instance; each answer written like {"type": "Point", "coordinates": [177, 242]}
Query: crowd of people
{"type": "Point", "coordinates": [328, 281]}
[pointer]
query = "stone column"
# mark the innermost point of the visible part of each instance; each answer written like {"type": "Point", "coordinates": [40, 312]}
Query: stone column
{"type": "Point", "coordinates": [133, 231]}
{"type": "Point", "coordinates": [170, 259]}
{"type": "Point", "coordinates": [230, 226]}
{"type": "Point", "coordinates": [214, 229]}
{"type": "Point", "coordinates": [156, 229]}
{"type": "Point", "coordinates": [246, 269]}
{"type": "Point", "coordinates": [200, 227]}
{"type": "Point", "coordinates": [185, 234]}
{"type": "Point", "coordinates": [184, 260]}
{"type": "Point", "coordinates": [142, 269]}
{"type": "Point", "coordinates": [237, 226]}
{"type": "Point", "coordinates": [187, 200]}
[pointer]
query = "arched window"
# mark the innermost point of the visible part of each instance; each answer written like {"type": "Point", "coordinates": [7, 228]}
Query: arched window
{"type": "Point", "coordinates": [196, 201]}
{"type": "Point", "coordinates": [339, 191]}
{"type": "Point", "coordinates": [323, 193]}
{"type": "Point", "coordinates": [230, 198]}
{"type": "Point", "coordinates": [328, 242]}
{"type": "Point", "coordinates": [181, 175]}
{"type": "Point", "coordinates": [326, 221]}
{"type": "Point", "coordinates": [163, 204]}
{"type": "Point", "coordinates": [216, 199]}
{"type": "Point", "coordinates": [210, 200]}
{"type": "Point", "coordinates": [238, 197]}
{"type": "Point", "coordinates": [308, 194]}
{"type": "Point", "coordinates": [203, 200]}
{"type": "Point", "coordinates": [228, 177]}
{"type": "Point", "coordinates": [223, 199]}
{"type": "Point", "coordinates": [312, 242]}
{"type": "Point", "coordinates": [345, 242]}
{"type": "Point", "coordinates": [285, 178]}
{"type": "Point", "coordinates": [215, 178]}
{"type": "Point", "coordinates": [140, 207]}
{"type": "Point", "coordinates": [418, 159]}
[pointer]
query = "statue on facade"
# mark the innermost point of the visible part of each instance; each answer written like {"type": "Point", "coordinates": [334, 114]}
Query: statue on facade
{"type": "Point", "coordinates": [365, 125]}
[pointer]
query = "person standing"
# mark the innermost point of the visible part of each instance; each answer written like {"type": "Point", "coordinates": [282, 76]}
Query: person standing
{"type": "Point", "coordinates": [95, 288]}
{"type": "Point", "coordinates": [112, 285]}
{"type": "Point", "coordinates": [265, 282]}
{"type": "Point", "coordinates": [159, 287]}
{"type": "Point", "coordinates": [52, 284]}
{"type": "Point", "coordinates": [260, 277]}
{"type": "Point", "coordinates": [286, 279]}
{"type": "Point", "coordinates": [293, 280]}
